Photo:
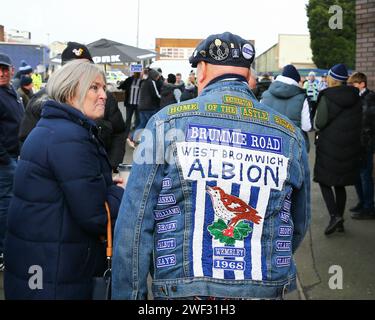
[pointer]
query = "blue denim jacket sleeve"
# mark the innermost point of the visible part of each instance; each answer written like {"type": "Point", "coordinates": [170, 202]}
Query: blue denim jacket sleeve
{"type": "Point", "coordinates": [133, 236]}
{"type": "Point", "coordinates": [301, 209]}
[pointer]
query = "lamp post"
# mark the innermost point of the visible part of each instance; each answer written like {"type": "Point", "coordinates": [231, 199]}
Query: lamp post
{"type": "Point", "coordinates": [138, 23]}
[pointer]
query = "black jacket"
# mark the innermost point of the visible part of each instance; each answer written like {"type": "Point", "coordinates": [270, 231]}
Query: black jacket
{"type": "Point", "coordinates": [11, 113]}
{"type": "Point", "coordinates": [167, 94]}
{"type": "Point", "coordinates": [368, 122]}
{"type": "Point", "coordinates": [149, 95]}
{"type": "Point", "coordinates": [338, 148]}
{"type": "Point", "coordinates": [190, 92]}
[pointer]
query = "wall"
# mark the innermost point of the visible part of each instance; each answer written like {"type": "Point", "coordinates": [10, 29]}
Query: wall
{"type": "Point", "coordinates": [365, 57]}
{"type": "Point", "coordinates": [296, 50]}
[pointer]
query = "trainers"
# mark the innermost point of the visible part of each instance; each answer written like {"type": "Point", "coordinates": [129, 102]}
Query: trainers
{"type": "Point", "coordinates": [357, 208]}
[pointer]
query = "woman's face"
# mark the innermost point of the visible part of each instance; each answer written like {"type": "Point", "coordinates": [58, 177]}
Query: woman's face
{"type": "Point", "coordinates": [94, 104]}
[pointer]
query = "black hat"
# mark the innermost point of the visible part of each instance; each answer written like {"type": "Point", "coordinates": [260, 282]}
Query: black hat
{"type": "Point", "coordinates": [5, 60]}
{"type": "Point", "coordinates": [75, 50]}
{"type": "Point", "coordinates": [291, 72]}
{"type": "Point", "coordinates": [25, 81]}
{"type": "Point", "coordinates": [224, 49]}
{"type": "Point", "coordinates": [171, 78]}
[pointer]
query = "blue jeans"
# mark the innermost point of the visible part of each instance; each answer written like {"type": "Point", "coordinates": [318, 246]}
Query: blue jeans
{"type": "Point", "coordinates": [365, 187]}
{"type": "Point", "coordinates": [144, 116]}
{"type": "Point", "coordinates": [6, 193]}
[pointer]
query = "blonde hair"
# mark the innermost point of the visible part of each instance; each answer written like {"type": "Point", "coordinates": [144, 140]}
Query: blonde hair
{"type": "Point", "coordinates": [333, 82]}
{"type": "Point", "coordinates": [73, 80]}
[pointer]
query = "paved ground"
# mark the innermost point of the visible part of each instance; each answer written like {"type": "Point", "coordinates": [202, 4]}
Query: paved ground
{"type": "Point", "coordinates": [353, 251]}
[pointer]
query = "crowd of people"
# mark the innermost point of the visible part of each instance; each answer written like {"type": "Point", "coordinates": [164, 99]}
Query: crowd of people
{"type": "Point", "coordinates": [217, 201]}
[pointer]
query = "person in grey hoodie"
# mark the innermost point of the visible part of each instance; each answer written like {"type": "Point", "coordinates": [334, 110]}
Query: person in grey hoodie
{"type": "Point", "coordinates": [288, 98]}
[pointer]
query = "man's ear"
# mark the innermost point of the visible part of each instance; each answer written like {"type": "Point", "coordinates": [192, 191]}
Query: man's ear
{"type": "Point", "coordinates": [202, 72]}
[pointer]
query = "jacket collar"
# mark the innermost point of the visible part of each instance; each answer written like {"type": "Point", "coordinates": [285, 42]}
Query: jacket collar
{"type": "Point", "coordinates": [53, 109]}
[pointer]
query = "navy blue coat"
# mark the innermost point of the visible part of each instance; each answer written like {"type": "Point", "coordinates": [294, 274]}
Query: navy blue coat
{"type": "Point", "coordinates": [11, 113]}
{"type": "Point", "coordinates": [57, 214]}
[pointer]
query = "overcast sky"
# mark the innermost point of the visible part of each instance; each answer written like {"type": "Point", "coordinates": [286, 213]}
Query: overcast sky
{"type": "Point", "coordinates": [76, 20]}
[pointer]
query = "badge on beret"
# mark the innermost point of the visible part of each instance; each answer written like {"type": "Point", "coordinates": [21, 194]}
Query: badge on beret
{"type": "Point", "coordinates": [219, 50]}
{"type": "Point", "coordinates": [235, 53]}
{"type": "Point", "coordinates": [247, 51]}
{"type": "Point", "coordinates": [78, 52]}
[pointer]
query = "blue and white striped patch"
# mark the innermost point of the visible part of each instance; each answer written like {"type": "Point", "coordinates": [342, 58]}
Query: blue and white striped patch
{"type": "Point", "coordinates": [249, 175]}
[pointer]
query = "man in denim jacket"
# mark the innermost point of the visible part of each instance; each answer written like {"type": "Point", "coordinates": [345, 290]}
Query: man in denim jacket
{"type": "Point", "coordinates": [218, 198]}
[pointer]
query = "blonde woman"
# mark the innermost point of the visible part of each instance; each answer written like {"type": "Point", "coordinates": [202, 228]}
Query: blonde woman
{"type": "Point", "coordinates": [338, 148]}
{"type": "Point", "coordinates": [57, 214]}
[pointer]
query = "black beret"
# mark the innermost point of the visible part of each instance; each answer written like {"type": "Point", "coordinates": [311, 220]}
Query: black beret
{"type": "Point", "coordinates": [226, 49]}
{"type": "Point", "coordinates": [74, 51]}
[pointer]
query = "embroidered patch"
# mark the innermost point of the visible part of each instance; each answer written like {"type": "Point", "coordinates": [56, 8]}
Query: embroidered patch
{"type": "Point", "coordinates": [229, 252]}
{"type": "Point", "coordinates": [219, 50]}
{"type": "Point", "coordinates": [183, 108]}
{"type": "Point", "coordinates": [166, 244]}
{"type": "Point", "coordinates": [166, 227]}
{"type": "Point", "coordinates": [229, 265]}
{"type": "Point", "coordinates": [233, 214]}
{"type": "Point", "coordinates": [207, 162]}
{"type": "Point", "coordinates": [166, 261]}
{"type": "Point", "coordinates": [283, 245]}
{"type": "Point", "coordinates": [166, 199]}
{"type": "Point", "coordinates": [220, 136]}
{"type": "Point", "coordinates": [166, 184]}
{"type": "Point", "coordinates": [285, 231]}
{"type": "Point", "coordinates": [284, 123]}
{"type": "Point", "coordinates": [166, 213]}
{"type": "Point", "coordinates": [221, 108]}
{"type": "Point", "coordinates": [255, 114]}
{"type": "Point", "coordinates": [283, 261]}
{"type": "Point", "coordinates": [238, 101]}
{"type": "Point", "coordinates": [285, 211]}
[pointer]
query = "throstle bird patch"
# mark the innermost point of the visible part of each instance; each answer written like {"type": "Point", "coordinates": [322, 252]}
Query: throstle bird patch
{"type": "Point", "coordinates": [233, 214]}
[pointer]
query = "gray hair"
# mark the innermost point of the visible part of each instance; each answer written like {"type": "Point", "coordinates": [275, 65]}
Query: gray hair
{"type": "Point", "coordinates": [73, 80]}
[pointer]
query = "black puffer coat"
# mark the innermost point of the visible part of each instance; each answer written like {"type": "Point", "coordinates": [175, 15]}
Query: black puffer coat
{"type": "Point", "coordinates": [338, 147]}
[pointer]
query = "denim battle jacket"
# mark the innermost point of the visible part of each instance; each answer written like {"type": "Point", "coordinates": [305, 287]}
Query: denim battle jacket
{"type": "Point", "coordinates": [217, 201]}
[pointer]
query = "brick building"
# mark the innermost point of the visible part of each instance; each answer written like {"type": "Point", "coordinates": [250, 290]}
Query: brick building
{"type": "Point", "coordinates": [175, 49]}
{"type": "Point", "coordinates": [365, 58]}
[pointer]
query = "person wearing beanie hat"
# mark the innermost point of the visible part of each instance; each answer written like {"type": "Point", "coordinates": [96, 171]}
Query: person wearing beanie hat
{"type": "Point", "coordinates": [205, 183]}
{"type": "Point", "coordinates": [26, 89]}
{"type": "Point", "coordinates": [338, 144]}
{"type": "Point", "coordinates": [24, 70]}
{"type": "Point", "coordinates": [287, 97]}
{"type": "Point", "coordinates": [339, 72]}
